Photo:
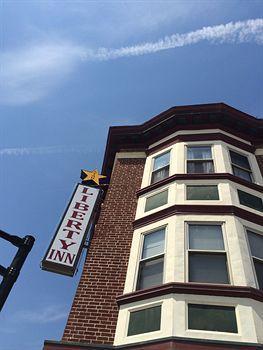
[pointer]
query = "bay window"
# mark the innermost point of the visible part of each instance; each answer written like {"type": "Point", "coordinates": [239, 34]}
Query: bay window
{"type": "Point", "coordinates": [161, 165]}
{"type": "Point", "coordinates": [240, 166]}
{"type": "Point", "coordinates": [256, 249]}
{"type": "Point", "coordinates": [144, 321]}
{"type": "Point", "coordinates": [156, 200]}
{"type": "Point", "coordinates": [207, 258]}
{"type": "Point", "coordinates": [199, 160]}
{"type": "Point", "coordinates": [152, 260]}
{"type": "Point", "coordinates": [212, 318]}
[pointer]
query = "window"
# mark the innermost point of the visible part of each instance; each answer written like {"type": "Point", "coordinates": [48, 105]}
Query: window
{"type": "Point", "coordinates": [202, 192]}
{"type": "Point", "coordinates": [144, 321]}
{"type": "Point", "coordinates": [207, 256]}
{"type": "Point", "coordinates": [256, 248]}
{"type": "Point", "coordinates": [250, 201]}
{"type": "Point", "coordinates": [152, 258]}
{"type": "Point", "coordinates": [199, 160]}
{"type": "Point", "coordinates": [240, 166]}
{"type": "Point", "coordinates": [160, 167]}
{"type": "Point", "coordinates": [212, 318]}
{"type": "Point", "coordinates": [157, 200]}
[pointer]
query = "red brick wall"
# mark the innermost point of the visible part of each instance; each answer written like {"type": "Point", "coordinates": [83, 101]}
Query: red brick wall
{"type": "Point", "coordinates": [260, 163]}
{"type": "Point", "coordinates": [94, 312]}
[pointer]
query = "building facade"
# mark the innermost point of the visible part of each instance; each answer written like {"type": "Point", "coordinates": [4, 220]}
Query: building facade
{"type": "Point", "coordinates": [176, 259]}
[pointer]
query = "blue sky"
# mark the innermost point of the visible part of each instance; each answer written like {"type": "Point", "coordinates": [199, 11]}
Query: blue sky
{"type": "Point", "coordinates": [69, 70]}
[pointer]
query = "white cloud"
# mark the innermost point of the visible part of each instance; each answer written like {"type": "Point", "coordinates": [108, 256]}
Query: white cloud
{"type": "Point", "coordinates": [32, 73]}
{"type": "Point", "coordinates": [24, 151]}
{"type": "Point", "coordinates": [236, 33]}
{"type": "Point", "coordinates": [28, 75]}
{"type": "Point", "coordinates": [45, 315]}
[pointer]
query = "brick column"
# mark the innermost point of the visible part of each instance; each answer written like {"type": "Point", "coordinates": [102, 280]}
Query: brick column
{"type": "Point", "coordinates": [94, 312]}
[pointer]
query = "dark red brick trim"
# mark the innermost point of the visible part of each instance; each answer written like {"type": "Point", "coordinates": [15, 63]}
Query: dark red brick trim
{"type": "Point", "coordinates": [198, 210]}
{"type": "Point", "coordinates": [168, 343]}
{"type": "Point", "coordinates": [191, 288]}
{"type": "Point", "coordinates": [203, 137]}
{"type": "Point", "coordinates": [215, 176]}
{"type": "Point", "coordinates": [68, 345]}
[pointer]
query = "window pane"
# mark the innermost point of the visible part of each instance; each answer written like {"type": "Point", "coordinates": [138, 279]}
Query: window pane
{"type": "Point", "coordinates": [161, 161]}
{"type": "Point", "coordinates": [206, 237]}
{"type": "Point", "coordinates": [156, 200]}
{"type": "Point", "coordinates": [250, 201]}
{"type": "Point", "coordinates": [256, 244]}
{"type": "Point", "coordinates": [160, 174]}
{"type": "Point", "coordinates": [144, 321]}
{"type": "Point", "coordinates": [202, 192]}
{"type": "Point", "coordinates": [259, 272]}
{"type": "Point", "coordinates": [197, 167]}
{"type": "Point", "coordinates": [153, 244]}
{"type": "Point", "coordinates": [203, 152]}
{"type": "Point", "coordinates": [212, 318]}
{"type": "Point", "coordinates": [150, 273]}
{"type": "Point", "coordinates": [208, 268]}
{"type": "Point", "coordinates": [246, 175]}
{"type": "Point", "coordinates": [239, 160]}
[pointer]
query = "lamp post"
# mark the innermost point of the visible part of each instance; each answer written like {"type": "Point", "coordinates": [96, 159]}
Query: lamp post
{"type": "Point", "coordinates": [11, 273]}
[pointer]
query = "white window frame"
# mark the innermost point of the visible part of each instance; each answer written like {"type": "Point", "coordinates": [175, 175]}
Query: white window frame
{"type": "Point", "coordinates": [209, 303]}
{"type": "Point", "coordinates": [139, 308]}
{"type": "Point", "coordinates": [142, 236]}
{"type": "Point", "coordinates": [153, 194]}
{"type": "Point", "coordinates": [200, 145]}
{"type": "Point", "coordinates": [246, 228]}
{"type": "Point", "coordinates": [152, 165]}
{"type": "Point", "coordinates": [249, 162]}
{"type": "Point", "coordinates": [225, 251]}
{"type": "Point", "coordinates": [200, 185]}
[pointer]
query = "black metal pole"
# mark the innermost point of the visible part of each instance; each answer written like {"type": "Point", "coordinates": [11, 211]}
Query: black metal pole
{"type": "Point", "coordinates": [11, 273]}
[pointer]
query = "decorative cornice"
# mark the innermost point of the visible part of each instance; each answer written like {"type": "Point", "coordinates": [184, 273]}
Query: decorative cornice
{"type": "Point", "coordinates": [198, 210]}
{"type": "Point", "coordinates": [202, 137]}
{"type": "Point", "coordinates": [191, 288]}
{"type": "Point", "coordinates": [214, 176]}
{"type": "Point", "coordinates": [194, 117]}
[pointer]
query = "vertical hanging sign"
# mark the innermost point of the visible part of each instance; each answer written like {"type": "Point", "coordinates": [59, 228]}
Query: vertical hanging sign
{"type": "Point", "coordinates": [64, 251]}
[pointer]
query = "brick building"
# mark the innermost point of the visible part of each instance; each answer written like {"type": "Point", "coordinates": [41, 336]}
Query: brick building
{"type": "Point", "coordinates": [176, 260]}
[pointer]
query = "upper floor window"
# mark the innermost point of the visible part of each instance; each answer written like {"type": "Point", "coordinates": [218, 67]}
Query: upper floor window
{"type": "Point", "coordinates": [152, 258]}
{"type": "Point", "coordinates": [199, 160]}
{"type": "Point", "coordinates": [200, 192]}
{"type": "Point", "coordinates": [161, 166]}
{"type": "Point", "coordinates": [207, 255]}
{"type": "Point", "coordinates": [256, 248]}
{"type": "Point", "coordinates": [240, 166]}
{"type": "Point", "coordinates": [156, 200]}
{"type": "Point", "coordinates": [250, 200]}
{"type": "Point", "coordinates": [212, 318]}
